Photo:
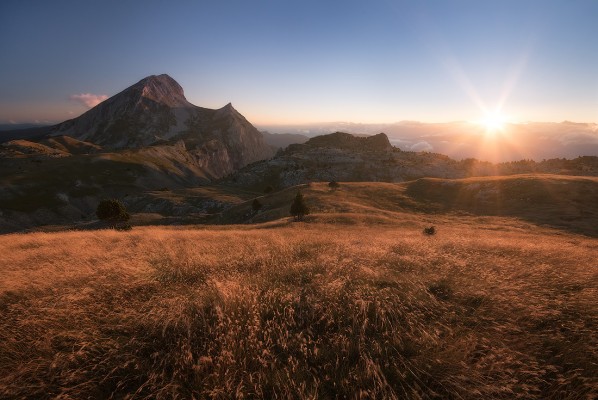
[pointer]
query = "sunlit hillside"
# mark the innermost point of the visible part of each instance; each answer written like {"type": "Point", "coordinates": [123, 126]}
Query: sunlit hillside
{"type": "Point", "coordinates": [356, 302]}
{"type": "Point", "coordinates": [567, 202]}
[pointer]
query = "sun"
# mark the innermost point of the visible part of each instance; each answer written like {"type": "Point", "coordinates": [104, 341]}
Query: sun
{"type": "Point", "coordinates": [493, 122]}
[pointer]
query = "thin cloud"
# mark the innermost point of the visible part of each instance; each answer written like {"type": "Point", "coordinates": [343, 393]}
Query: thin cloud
{"type": "Point", "coordinates": [89, 100]}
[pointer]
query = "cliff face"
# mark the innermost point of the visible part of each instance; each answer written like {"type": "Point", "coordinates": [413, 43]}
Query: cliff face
{"type": "Point", "coordinates": [244, 142]}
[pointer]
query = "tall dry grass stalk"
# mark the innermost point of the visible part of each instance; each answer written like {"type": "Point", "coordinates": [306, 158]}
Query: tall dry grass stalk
{"type": "Point", "coordinates": [306, 311]}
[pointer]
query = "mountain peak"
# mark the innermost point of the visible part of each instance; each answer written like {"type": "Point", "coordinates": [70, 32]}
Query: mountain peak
{"type": "Point", "coordinates": [225, 111]}
{"type": "Point", "coordinates": [163, 79]}
{"type": "Point", "coordinates": [162, 89]}
{"type": "Point", "coordinates": [155, 110]}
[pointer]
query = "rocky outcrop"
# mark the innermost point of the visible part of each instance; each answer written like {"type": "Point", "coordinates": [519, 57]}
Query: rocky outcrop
{"type": "Point", "coordinates": [344, 157]}
{"type": "Point", "coordinates": [346, 141]}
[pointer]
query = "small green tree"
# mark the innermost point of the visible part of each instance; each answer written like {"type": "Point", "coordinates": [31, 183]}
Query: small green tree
{"type": "Point", "coordinates": [112, 211]}
{"type": "Point", "coordinates": [256, 205]}
{"type": "Point", "coordinates": [333, 185]}
{"type": "Point", "coordinates": [299, 209]}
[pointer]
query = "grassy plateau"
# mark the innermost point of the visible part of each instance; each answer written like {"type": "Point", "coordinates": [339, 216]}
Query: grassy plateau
{"type": "Point", "coordinates": [355, 303]}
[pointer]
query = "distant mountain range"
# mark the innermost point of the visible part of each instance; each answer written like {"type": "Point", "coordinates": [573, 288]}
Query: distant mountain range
{"type": "Point", "coordinates": [15, 126]}
{"type": "Point", "coordinates": [462, 139]}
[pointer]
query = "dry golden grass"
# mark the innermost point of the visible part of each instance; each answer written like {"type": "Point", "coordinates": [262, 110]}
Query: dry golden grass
{"type": "Point", "coordinates": [487, 310]}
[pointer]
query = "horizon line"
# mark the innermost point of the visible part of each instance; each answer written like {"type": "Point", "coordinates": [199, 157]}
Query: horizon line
{"type": "Point", "coordinates": [286, 124]}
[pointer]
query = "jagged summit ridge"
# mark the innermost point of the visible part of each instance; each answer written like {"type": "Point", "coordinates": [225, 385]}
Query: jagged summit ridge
{"type": "Point", "coordinates": [227, 110]}
{"type": "Point", "coordinates": [162, 89]}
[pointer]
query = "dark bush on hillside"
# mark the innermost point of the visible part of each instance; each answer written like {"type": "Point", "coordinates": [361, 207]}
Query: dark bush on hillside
{"type": "Point", "coordinates": [430, 231]}
{"type": "Point", "coordinates": [333, 185]}
{"type": "Point", "coordinates": [268, 189]}
{"type": "Point", "coordinates": [112, 211]}
{"type": "Point", "coordinates": [256, 205]}
{"type": "Point", "coordinates": [123, 227]}
{"type": "Point", "coordinates": [299, 209]}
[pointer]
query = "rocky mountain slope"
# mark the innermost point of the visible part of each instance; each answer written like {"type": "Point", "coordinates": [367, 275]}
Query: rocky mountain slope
{"type": "Point", "coordinates": [145, 138]}
{"type": "Point", "coordinates": [154, 108]}
{"type": "Point", "coordinates": [153, 112]}
{"type": "Point", "coordinates": [343, 157]}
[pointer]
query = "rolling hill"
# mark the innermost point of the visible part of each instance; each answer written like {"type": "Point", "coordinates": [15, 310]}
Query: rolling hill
{"type": "Point", "coordinates": [561, 202]}
{"type": "Point", "coordinates": [564, 202]}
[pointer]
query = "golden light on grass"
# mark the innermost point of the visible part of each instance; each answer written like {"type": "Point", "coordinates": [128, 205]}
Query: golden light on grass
{"type": "Point", "coordinates": [488, 307]}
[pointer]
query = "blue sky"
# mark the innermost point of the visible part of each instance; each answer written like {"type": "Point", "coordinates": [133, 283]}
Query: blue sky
{"type": "Point", "coordinates": [308, 61]}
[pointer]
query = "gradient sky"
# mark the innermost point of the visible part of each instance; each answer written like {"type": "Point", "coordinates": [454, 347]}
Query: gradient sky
{"type": "Point", "coordinates": [285, 61]}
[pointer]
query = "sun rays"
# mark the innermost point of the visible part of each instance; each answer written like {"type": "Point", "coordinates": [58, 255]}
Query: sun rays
{"type": "Point", "coordinates": [494, 134]}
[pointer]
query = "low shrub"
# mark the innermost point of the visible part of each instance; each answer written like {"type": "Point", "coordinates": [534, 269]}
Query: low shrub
{"type": "Point", "coordinates": [430, 231]}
